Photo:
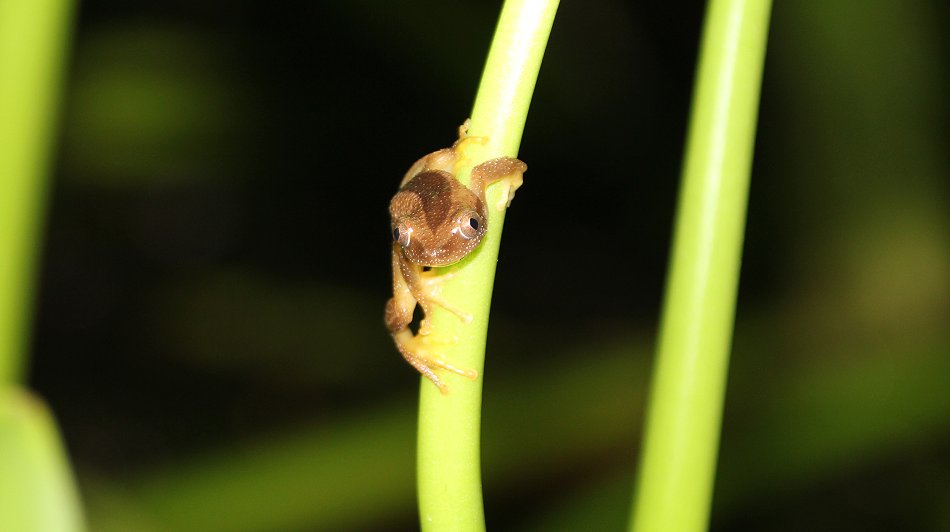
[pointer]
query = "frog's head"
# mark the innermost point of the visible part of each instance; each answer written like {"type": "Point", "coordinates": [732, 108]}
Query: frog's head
{"type": "Point", "coordinates": [436, 220]}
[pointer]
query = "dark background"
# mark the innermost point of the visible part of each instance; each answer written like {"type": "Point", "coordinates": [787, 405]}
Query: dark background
{"type": "Point", "coordinates": [209, 329]}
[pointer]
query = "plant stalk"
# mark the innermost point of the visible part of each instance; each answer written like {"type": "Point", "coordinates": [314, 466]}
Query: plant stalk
{"type": "Point", "coordinates": [449, 476]}
{"type": "Point", "coordinates": [681, 439]}
{"type": "Point", "coordinates": [33, 37]}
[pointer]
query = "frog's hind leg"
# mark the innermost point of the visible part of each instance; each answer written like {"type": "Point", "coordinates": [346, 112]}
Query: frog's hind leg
{"type": "Point", "coordinates": [443, 159]}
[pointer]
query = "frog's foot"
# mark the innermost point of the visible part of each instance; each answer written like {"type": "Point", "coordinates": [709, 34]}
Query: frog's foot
{"type": "Point", "coordinates": [463, 134]}
{"type": "Point", "coordinates": [509, 186]}
{"type": "Point", "coordinates": [430, 287]}
{"type": "Point", "coordinates": [418, 353]}
{"type": "Point", "coordinates": [464, 141]}
{"type": "Point", "coordinates": [463, 129]}
{"type": "Point", "coordinates": [507, 171]}
{"type": "Point", "coordinates": [425, 327]}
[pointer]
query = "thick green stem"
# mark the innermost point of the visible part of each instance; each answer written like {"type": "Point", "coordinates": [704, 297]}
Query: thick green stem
{"type": "Point", "coordinates": [37, 492]}
{"type": "Point", "coordinates": [32, 39]}
{"type": "Point", "coordinates": [681, 438]}
{"type": "Point", "coordinates": [36, 488]}
{"type": "Point", "coordinates": [450, 496]}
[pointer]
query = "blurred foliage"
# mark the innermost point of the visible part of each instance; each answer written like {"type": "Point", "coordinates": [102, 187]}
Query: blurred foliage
{"type": "Point", "coordinates": [155, 105]}
{"type": "Point", "coordinates": [210, 315]}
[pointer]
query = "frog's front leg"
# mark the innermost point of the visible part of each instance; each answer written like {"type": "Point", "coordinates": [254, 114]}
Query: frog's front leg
{"type": "Point", "coordinates": [412, 285]}
{"type": "Point", "coordinates": [507, 170]}
{"type": "Point", "coordinates": [426, 288]}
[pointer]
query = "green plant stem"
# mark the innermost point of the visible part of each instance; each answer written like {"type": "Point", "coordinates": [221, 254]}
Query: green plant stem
{"type": "Point", "coordinates": [681, 439]}
{"type": "Point", "coordinates": [32, 39]}
{"type": "Point", "coordinates": [37, 493]}
{"type": "Point", "coordinates": [36, 487]}
{"type": "Point", "coordinates": [449, 480]}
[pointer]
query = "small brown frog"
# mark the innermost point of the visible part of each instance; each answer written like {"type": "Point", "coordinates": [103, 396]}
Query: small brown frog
{"type": "Point", "coordinates": [437, 221]}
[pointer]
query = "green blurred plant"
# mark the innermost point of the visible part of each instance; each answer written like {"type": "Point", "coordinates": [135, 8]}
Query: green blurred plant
{"type": "Point", "coordinates": [816, 395]}
{"type": "Point", "coordinates": [681, 439]}
{"type": "Point", "coordinates": [36, 488]}
{"type": "Point", "coordinates": [37, 492]}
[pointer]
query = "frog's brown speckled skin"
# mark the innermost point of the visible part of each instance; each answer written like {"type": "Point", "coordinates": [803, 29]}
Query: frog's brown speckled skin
{"type": "Point", "coordinates": [437, 221]}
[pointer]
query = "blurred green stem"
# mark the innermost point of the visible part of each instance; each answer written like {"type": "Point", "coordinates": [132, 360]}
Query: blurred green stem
{"type": "Point", "coordinates": [32, 40]}
{"type": "Point", "coordinates": [37, 493]}
{"type": "Point", "coordinates": [449, 480]}
{"type": "Point", "coordinates": [681, 439]}
{"type": "Point", "coordinates": [36, 487]}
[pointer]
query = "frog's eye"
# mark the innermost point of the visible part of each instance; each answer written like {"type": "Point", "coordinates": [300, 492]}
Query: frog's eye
{"type": "Point", "coordinates": [468, 226]}
{"type": "Point", "coordinates": [402, 234]}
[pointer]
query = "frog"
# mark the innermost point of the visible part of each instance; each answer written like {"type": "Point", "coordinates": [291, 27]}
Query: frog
{"type": "Point", "coordinates": [437, 221]}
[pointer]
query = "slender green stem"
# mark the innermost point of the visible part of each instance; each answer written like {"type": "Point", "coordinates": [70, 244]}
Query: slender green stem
{"type": "Point", "coordinates": [681, 438]}
{"type": "Point", "coordinates": [450, 495]}
{"type": "Point", "coordinates": [32, 39]}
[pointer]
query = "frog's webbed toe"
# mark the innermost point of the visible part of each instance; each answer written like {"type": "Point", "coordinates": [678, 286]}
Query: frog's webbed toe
{"type": "Point", "coordinates": [430, 293]}
{"type": "Point", "coordinates": [417, 350]}
{"type": "Point", "coordinates": [507, 170]}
